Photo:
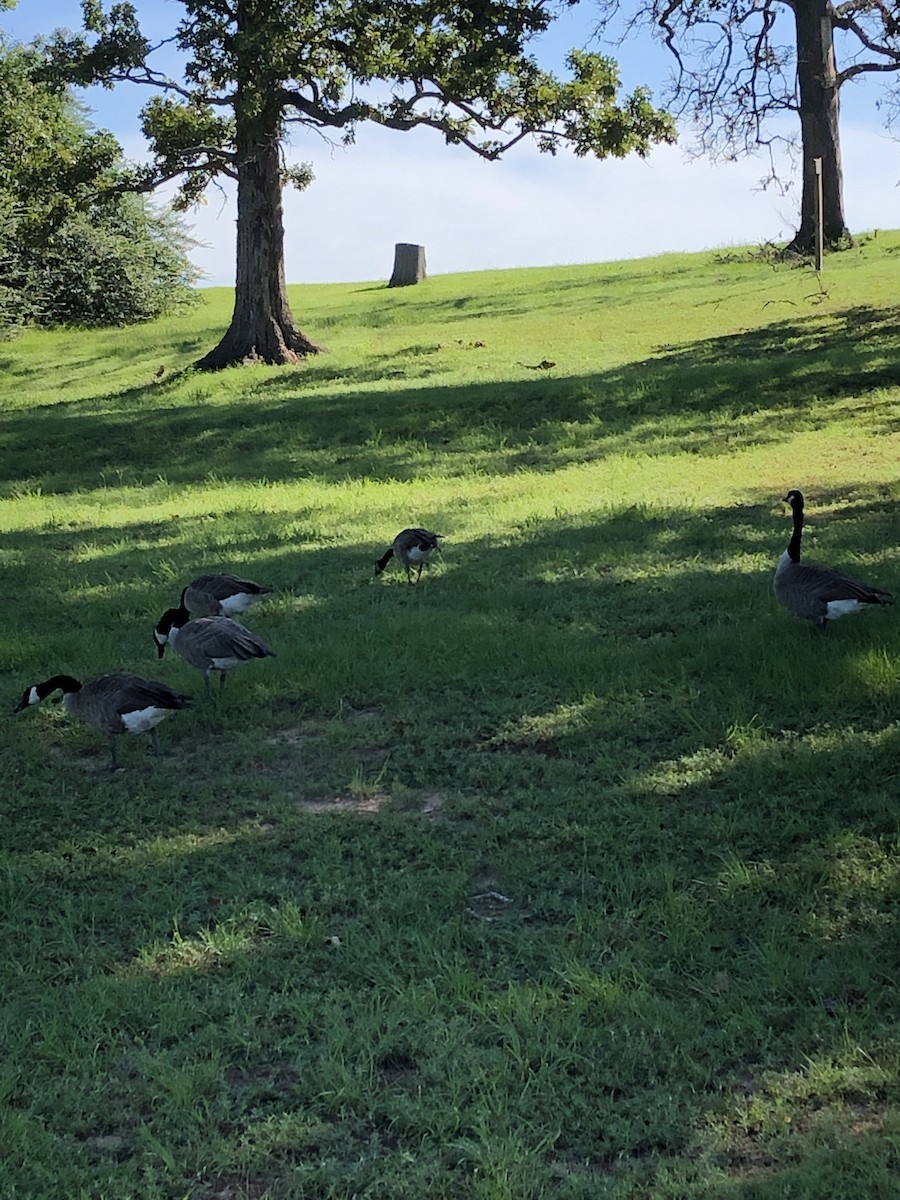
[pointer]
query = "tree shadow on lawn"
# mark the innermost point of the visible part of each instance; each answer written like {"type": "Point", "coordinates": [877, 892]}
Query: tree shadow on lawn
{"type": "Point", "coordinates": [708, 894]}
{"type": "Point", "coordinates": [591, 649]}
{"type": "Point", "coordinates": [709, 397]}
{"type": "Point", "coordinates": [670, 984]}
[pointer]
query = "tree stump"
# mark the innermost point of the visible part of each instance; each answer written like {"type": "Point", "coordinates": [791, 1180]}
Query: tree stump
{"type": "Point", "coordinates": [409, 264]}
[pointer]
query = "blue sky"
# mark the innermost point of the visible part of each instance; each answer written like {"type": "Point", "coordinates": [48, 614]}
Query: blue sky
{"type": "Point", "coordinates": [528, 210]}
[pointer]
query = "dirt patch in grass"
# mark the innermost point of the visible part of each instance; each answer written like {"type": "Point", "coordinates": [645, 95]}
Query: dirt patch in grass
{"type": "Point", "coordinates": [232, 1187]}
{"type": "Point", "coordinates": [753, 1153]}
{"type": "Point", "coordinates": [369, 803]}
{"type": "Point", "coordinates": [361, 716]}
{"type": "Point", "coordinates": [273, 1080]}
{"type": "Point", "coordinates": [293, 735]}
{"type": "Point", "coordinates": [433, 805]}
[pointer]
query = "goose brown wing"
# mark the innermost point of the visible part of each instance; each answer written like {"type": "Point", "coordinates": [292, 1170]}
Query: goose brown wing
{"type": "Point", "coordinates": [223, 585]}
{"type": "Point", "coordinates": [425, 539]}
{"type": "Point", "coordinates": [828, 585]}
{"type": "Point", "coordinates": [220, 637]}
{"type": "Point", "coordinates": [248, 645]}
{"type": "Point", "coordinates": [127, 692]}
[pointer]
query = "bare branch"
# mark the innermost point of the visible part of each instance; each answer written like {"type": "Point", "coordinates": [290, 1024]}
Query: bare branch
{"type": "Point", "coordinates": [147, 76]}
{"type": "Point", "coordinates": [861, 68]}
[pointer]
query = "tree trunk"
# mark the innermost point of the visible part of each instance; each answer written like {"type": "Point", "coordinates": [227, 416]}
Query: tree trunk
{"type": "Point", "coordinates": [819, 130]}
{"type": "Point", "coordinates": [262, 326]}
{"type": "Point", "coordinates": [409, 264]}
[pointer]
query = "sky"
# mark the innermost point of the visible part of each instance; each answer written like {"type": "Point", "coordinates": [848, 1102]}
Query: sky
{"type": "Point", "coordinates": [529, 209]}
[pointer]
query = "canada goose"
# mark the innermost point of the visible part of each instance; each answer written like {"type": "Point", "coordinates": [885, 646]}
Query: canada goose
{"type": "Point", "coordinates": [115, 703]}
{"type": "Point", "coordinates": [819, 594]}
{"type": "Point", "coordinates": [412, 547]}
{"type": "Point", "coordinates": [221, 595]}
{"type": "Point", "coordinates": [208, 643]}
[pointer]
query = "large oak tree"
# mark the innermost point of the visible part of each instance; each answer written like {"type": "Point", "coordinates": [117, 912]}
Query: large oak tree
{"type": "Point", "coordinates": [741, 64]}
{"type": "Point", "coordinates": [253, 69]}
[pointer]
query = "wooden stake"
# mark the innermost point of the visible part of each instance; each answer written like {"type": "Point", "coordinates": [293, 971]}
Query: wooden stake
{"type": "Point", "coordinates": [820, 240]}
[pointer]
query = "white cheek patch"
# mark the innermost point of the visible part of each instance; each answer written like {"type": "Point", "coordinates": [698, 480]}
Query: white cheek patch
{"type": "Point", "coordinates": [143, 719]}
{"type": "Point", "coordinates": [842, 608]}
{"type": "Point", "coordinates": [33, 697]}
{"type": "Point", "coordinates": [160, 638]}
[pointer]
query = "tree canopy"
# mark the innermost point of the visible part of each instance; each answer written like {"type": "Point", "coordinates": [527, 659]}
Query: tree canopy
{"type": "Point", "coordinates": [252, 70]}
{"type": "Point", "coordinates": [73, 247]}
{"type": "Point", "coordinates": [742, 64]}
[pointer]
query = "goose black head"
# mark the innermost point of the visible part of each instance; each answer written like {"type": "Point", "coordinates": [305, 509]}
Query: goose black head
{"type": "Point", "coordinates": [29, 696]}
{"type": "Point", "coordinates": [172, 619]}
{"type": "Point", "coordinates": [40, 691]}
{"type": "Point", "coordinates": [794, 498]}
{"type": "Point", "coordinates": [163, 629]}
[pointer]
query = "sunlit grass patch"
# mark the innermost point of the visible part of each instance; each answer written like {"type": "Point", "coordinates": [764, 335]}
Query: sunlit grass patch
{"type": "Point", "coordinates": [567, 871]}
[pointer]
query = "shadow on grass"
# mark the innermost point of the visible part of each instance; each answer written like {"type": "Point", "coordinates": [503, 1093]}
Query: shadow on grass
{"type": "Point", "coordinates": [706, 398]}
{"type": "Point", "coordinates": [590, 650]}
{"type": "Point", "coordinates": [652, 1003]}
{"type": "Point", "coordinates": [687, 797]}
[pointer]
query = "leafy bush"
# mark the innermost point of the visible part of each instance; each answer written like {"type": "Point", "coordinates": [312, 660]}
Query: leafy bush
{"type": "Point", "coordinates": [74, 248]}
{"type": "Point", "coordinates": [128, 263]}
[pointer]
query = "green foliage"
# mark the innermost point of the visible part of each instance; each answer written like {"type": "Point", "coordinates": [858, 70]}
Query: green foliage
{"type": "Point", "coordinates": [571, 872]}
{"type": "Point", "coordinates": [74, 248]}
{"type": "Point", "coordinates": [50, 159]}
{"type": "Point", "coordinates": [130, 265]}
{"type": "Point", "coordinates": [464, 71]}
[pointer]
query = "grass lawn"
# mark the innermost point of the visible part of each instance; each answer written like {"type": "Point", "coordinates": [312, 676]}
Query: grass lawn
{"type": "Point", "coordinates": [571, 872]}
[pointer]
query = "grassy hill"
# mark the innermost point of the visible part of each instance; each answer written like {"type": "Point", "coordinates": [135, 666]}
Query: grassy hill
{"type": "Point", "coordinates": [570, 872]}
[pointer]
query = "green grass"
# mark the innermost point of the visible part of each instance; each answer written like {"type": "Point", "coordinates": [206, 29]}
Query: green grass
{"type": "Point", "coordinates": [571, 872]}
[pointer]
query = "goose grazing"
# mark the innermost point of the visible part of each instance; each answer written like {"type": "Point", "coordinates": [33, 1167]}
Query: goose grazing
{"type": "Point", "coordinates": [413, 548]}
{"type": "Point", "coordinates": [820, 594]}
{"type": "Point", "coordinates": [208, 643]}
{"type": "Point", "coordinates": [115, 703]}
{"type": "Point", "coordinates": [221, 595]}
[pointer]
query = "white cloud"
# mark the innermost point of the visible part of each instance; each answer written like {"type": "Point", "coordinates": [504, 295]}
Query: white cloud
{"type": "Point", "coordinates": [529, 210]}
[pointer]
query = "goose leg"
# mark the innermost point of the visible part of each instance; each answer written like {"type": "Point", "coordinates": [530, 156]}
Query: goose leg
{"type": "Point", "coordinates": [156, 747]}
{"type": "Point", "coordinates": [209, 694]}
{"type": "Point", "coordinates": [222, 675]}
{"type": "Point", "coordinates": [113, 760]}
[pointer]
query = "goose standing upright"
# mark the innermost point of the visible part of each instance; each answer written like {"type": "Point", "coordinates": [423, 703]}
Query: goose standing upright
{"type": "Point", "coordinates": [115, 703]}
{"type": "Point", "coordinates": [222, 595]}
{"type": "Point", "coordinates": [208, 643]}
{"type": "Point", "coordinates": [819, 594]}
{"type": "Point", "coordinates": [413, 548]}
